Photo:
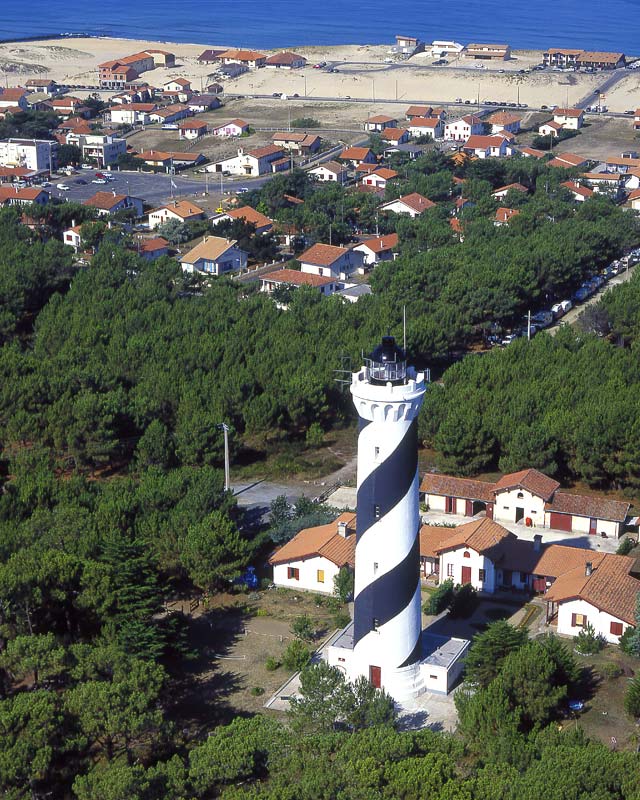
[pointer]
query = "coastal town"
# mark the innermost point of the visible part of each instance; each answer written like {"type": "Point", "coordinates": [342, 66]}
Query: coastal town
{"type": "Point", "coordinates": [319, 420]}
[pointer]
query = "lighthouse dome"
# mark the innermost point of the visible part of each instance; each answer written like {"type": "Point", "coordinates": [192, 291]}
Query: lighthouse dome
{"type": "Point", "coordinates": [387, 363]}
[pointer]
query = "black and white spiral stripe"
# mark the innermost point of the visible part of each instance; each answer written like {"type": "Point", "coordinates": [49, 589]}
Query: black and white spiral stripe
{"type": "Point", "coordinates": [387, 576]}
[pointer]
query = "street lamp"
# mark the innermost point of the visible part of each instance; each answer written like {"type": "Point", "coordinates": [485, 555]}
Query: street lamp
{"type": "Point", "coordinates": [225, 428]}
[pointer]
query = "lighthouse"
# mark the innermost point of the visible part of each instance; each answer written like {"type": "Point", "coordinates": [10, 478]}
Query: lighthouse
{"type": "Point", "coordinates": [387, 645]}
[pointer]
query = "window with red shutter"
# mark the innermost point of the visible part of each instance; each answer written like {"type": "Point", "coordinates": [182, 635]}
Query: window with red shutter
{"type": "Point", "coordinates": [616, 629]}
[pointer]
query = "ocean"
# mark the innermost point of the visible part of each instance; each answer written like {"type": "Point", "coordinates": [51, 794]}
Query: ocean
{"type": "Point", "coordinates": [537, 24]}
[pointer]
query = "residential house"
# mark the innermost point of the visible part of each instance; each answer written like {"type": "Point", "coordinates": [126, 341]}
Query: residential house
{"type": "Point", "coordinates": [180, 85]}
{"type": "Point", "coordinates": [72, 237]}
{"type": "Point", "coordinates": [14, 98]}
{"type": "Point", "coordinates": [15, 174]}
{"type": "Point", "coordinates": [297, 142]}
{"type": "Point", "coordinates": [567, 161]}
{"type": "Point", "coordinates": [487, 146]}
{"type": "Point", "coordinates": [131, 113]}
{"type": "Point", "coordinates": [379, 122]}
{"type": "Point", "coordinates": [488, 52]}
{"type": "Point", "coordinates": [17, 196]}
{"type": "Point", "coordinates": [233, 70]}
{"type": "Point", "coordinates": [504, 215]}
{"type": "Point", "coordinates": [248, 58]}
{"type": "Point", "coordinates": [529, 497]}
{"type": "Point", "coordinates": [214, 88]}
{"type": "Point", "coordinates": [109, 203]}
{"type": "Point", "coordinates": [200, 103]}
{"type": "Point", "coordinates": [634, 199]}
{"type": "Point", "coordinates": [210, 56]}
{"type": "Point", "coordinates": [69, 106]}
{"type": "Point", "coordinates": [580, 193]}
{"type": "Point", "coordinates": [329, 171]}
{"type": "Point", "coordinates": [427, 126]}
{"type": "Point", "coordinates": [378, 248]}
{"type": "Point", "coordinates": [155, 158]}
{"type": "Point", "coordinates": [560, 57]}
{"type": "Point", "coordinates": [620, 164]}
{"type": "Point", "coordinates": [412, 204]}
{"type": "Point", "coordinates": [312, 559]}
{"type": "Point", "coordinates": [504, 120]}
{"type": "Point", "coordinates": [169, 114]}
{"type": "Point", "coordinates": [162, 58]}
{"type": "Point", "coordinates": [249, 215]}
{"type": "Point", "coordinates": [395, 135]}
{"type": "Point", "coordinates": [151, 249]}
{"type": "Point", "coordinates": [408, 44]}
{"type": "Point", "coordinates": [181, 210]}
{"type": "Point", "coordinates": [330, 261]}
{"type": "Point", "coordinates": [531, 152]}
{"type": "Point", "coordinates": [214, 256]}
{"type": "Point", "coordinates": [358, 155]}
{"type": "Point", "coordinates": [550, 128]}
{"type": "Point", "coordinates": [285, 60]}
{"type": "Point", "coordinates": [192, 129]}
{"type": "Point", "coordinates": [261, 161]}
{"type": "Point", "coordinates": [439, 49]}
{"type": "Point", "coordinates": [293, 278]}
{"type": "Point", "coordinates": [379, 177]}
{"type": "Point", "coordinates": [236, 127]}
{"type": "Point", "coordinates": [502, 192]}
{"type": "Point", "coordinates": [459, 130]}
{"type": "Point", "coordinates": [38, 155]}
{"type": "Point", "coordinates": [570, 118]}
{"type": "Point", "coordinates": [44, 85]}
{"type": "Point", "coordinates": [416, 111]}
{"type": "Point", "coordinates": [598, 60]}
{"type": "Point", "coordinates": [117, 73]}
{"type": "Point", "coordinates": [610, 183]}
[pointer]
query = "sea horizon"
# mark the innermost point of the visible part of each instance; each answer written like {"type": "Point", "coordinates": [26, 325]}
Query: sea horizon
{"type": "Point", "coordinates": [547, 23]}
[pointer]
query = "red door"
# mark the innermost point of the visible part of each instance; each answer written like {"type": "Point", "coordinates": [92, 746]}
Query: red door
{"type": "Point", "coordinates": [449, 505]}
{"type": "Point", "coordinates": [593, 526]}
{"type": "Point", "coordinates": [469, 508]}
{"type": "Point", "coordinates": [375, 677]}
{"type": "Point", "coordinates": [489, 510]}
{"type": "Point", "coordinates": [466, 575]}
{"type": "Point", "coordinates": [561, 522]}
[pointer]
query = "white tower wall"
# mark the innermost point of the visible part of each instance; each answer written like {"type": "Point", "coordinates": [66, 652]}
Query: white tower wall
{"type": "Point", "coordinates": [387, 615]}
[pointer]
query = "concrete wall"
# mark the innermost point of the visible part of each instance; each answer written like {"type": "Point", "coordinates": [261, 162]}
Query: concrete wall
{"type": "Point", "coordinates": [507, 502]}
{"type": "Point", "coordinates": [600, 620]}
{"type": "Point", "coordinates": [308, 575]}
{"type": "Point", "coordinates": [582, 525]}
{"type": "Point", "coordinates": [476, 561]}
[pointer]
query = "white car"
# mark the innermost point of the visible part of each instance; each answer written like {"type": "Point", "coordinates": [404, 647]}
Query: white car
{"type": "Point", "coordinates": [98, 180]}
{"type": "Point", "coordinates": [62, 186]}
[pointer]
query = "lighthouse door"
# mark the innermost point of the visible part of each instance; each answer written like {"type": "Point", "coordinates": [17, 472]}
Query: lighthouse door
{"type": "Point", "coordinates": [375, 677]}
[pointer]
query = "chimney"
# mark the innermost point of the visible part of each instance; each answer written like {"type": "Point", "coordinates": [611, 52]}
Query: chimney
{"type": "Point", "coordinates": [537, 542]}
{"type": "Point", "coordinates": [343, 530]}
{"type": "Point", "coordinates": [588, 568]}
{"type": "Point", "coordinates": [73, 223]}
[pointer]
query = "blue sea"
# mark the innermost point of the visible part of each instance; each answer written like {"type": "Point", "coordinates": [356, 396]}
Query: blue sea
{"type": "Point", "coordinates": [589, 24]}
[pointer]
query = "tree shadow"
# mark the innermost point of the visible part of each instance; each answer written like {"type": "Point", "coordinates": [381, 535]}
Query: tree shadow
{"type": "Point", "coordinates": [417, 720]}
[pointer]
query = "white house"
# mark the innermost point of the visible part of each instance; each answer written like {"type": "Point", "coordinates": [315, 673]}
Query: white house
{"type": "Point", "coordinates": [330, 171]}
{"type": "Point", "coordinates": [634, 199]}
{"type": "Point", "coordinates": [285, 60]}
{"type": "Point", "coordinates": [192, 129]}
{"type": "Point", "coordinates": [487, 146]}
{"type": "Point", "coordinates": [504, 121]}
{"type": "Point", "coordinates": [570, 118]}
{"type": "Point", "coordinates": [312, 559]}
{"type": "Point", "coordinates": [412, 204]}
{"type": "Point", "coordinates": [262, 223]}
{"type": "Point", "coordinates": [358, 155]}
{"type": "Point", "coordinates": [445, 48]}
{"type": "Point", "coordinates": [34, 154]}
{"type": "Point", "coordinates": [177, 85]}
{"type": "Point", "coordinates": [528, 497]}
{"type": "Point", "coordinates": [236, 127]}
{"type": "Point", "coordinates": [297, 141]}
{"type": "Point", "coordinates": [330, 261]}
{"type": "Point", "coordinates": [260, 161]}
{"type": "Point", "coordinates": [378, 123]}
{"type": "Point", "coordinates": [294, 278]}
{"type": "Point", "coordinates": [181, 210]}
{"type": "Point", "coordinates": [102, 149]}
{"type": "Point", "coordinates": [108, 203]}
{"type": "Point", "coordinates": [502, 192]}
{"type": "Point", "coordinates": [203, 102]}
{"type": "Point", "coordinates": [214, 256]}
{"type": "Point", "coordinates": [550, 128]}
{"type": "Point", "coordinates": [16, 196]}
{"type": "Point", "coordinates": [459, 130]}
{"type": "Point", "coordinates": [169, 114]}
{"type": "Point", "coordinates": [379, 177]}
{"type": "Point", "coordinates": [72, 237]}
{"type": "Point", "coordinates": [131, 113]}
{"type": "Point", "coordinates": [580, 193]}
{"type": "Point", "coordinates": [379, 248]}
{"type": "Point", "coordinates": [423, 126]}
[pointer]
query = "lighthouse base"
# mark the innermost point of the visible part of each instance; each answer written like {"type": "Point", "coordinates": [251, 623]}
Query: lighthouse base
{"type": "Point", "coordinates": [437, 671]}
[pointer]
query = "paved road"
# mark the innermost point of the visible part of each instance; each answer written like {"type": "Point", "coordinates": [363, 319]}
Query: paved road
{"type": "Point", "coordinates": [593, 99]}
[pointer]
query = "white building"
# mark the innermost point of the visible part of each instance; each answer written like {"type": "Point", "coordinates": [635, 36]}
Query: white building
{"type": "Point", "coordinates": [423, 126]}
{"type": "Point", "coordinates": [236, 127]}
{"type": "Point", "coordinates": [379, 248]}
{"type": "Point", "coordinates": [459, 130]}
{"type": "Point", "coordinates": [181, 210]}
{"type": "Point", "coordinates": [131, 113]}
{"type": "Point", "coordinates": [330, 171]}
{"type": "Point", "coordinates": [570, 118]}
{"type": "Point", "coordinates": [487, 146]}
{"type": "Point", "coordinates": [330, 261]}
{"type": "Point", "coordinates": [313, 558]}
{"type": "Point", "coordinates": [440, 49]}
{"type": "Point", "coordinates": [108, 203]}
{"type": "Point", "coordinates": [214, 256]}
{"type": "Point", "coordinates": [412, 204]}
{"type": "Point", "coordinates": [103, 149]}
{"type": "Point", "coordinates": [34, 154]}
{"type": "Point", "coordinates": [261, 161]}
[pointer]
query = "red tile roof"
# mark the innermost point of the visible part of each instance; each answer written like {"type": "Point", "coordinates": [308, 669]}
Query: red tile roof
{"type": "Point", "coordinates": [104, 200]}
{"type": "Point", "coordinates": [530, 479]}
{"type": "Point", "coordinates": [296, 278]}
{"type": "Point", "coordinates": [447, 485]}
{"type": "Point", "coordinates": [322, 254]}
{"type": "Point", "coordinates": [381, 243]}
{"type": "Point", "coordinates": [505, 214]}
{"type": "Point", "coordinates": [414, 201]}
{"type": "Point", "coordinates": [250, 215]}
{"type": "Point", "coordinates": [355, 153]}
{"type": "Point", "coordinates": [323, 540]}
{"type": "Point", "coordinates": [589, 506]}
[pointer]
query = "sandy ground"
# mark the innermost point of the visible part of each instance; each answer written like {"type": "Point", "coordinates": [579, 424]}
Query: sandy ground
{"type": "Point", "coordinates": [362, 73]}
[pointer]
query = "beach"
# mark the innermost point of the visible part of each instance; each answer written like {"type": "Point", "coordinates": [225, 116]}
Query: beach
{"type": "Point", "coordinates": [362, 74]}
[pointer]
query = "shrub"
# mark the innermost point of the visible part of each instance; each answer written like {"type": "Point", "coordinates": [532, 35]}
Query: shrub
{"type": "Point", "coordinates": [302, 628]}
{"type": "Point", "coordinates": [256, 691]}
{"type": "Point", "coordinates": [305, 122]}
{"type": "Point", "coordinates": [440, 599]}
{"type": "Point", "coordinates": [611, 670]}
{"type": "Point", "coordinates": [632, 698]}
{"type": "Point", "coordinates": [626, 546]}
{"type": "Point", "coordinates": [296, 656]}
{"type": "Point", "coordinates": [627, 641]}
{"type": "Point", "coordinates": [465, 601]}
{"type": "Point", "coordinates": [588, 642]}
{"type": "Point", "coordinates": [315, 435]}
{"type": "Point", "coordinates": [343, 585]}
{"type": "Point", "coordinates": [262, 612]}
{"type": "Point", "coordinates": [341, 619]}
{"type": "Point", "coordinates": [271, 664]}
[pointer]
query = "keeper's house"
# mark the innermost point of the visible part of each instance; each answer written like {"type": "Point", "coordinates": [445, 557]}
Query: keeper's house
{"type": "Point", "coordinates": [529, 497]}
{"type": "Point", "coordinates": [311, 560]}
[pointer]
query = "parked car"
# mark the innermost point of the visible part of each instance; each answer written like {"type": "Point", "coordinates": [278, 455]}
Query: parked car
{"type": "Point", "coordinates": [98, 180]}
{"type": "Point", "coordinates": [581, 295]}
{"type": "Point", "coordinates": [543, 319]}
{"type": "Point", "coordinates": [567, 305]}
{"type": "Point", "coordinates": [62, 186]}
{"type": "Point", "coordinates": [557, 310]}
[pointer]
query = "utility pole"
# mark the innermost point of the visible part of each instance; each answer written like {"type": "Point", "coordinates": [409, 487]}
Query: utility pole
{"type": "Point", "coordinates": [225, 429]}
{"type": "Point", "coordinates": [529, 325]}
